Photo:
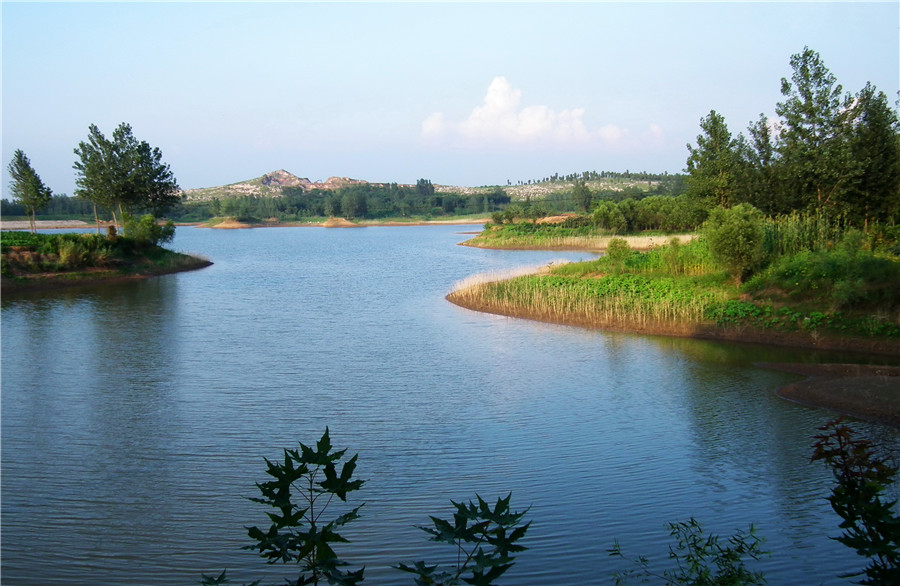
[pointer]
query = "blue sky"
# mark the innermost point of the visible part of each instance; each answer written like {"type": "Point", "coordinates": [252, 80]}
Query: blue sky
{"type": "Point", "coordinates": [460, 93]}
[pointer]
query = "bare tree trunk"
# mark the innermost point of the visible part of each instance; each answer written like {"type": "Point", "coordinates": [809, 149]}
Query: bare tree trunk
{"type": "Point", "coordinates": [97, 219]}
{"type": "Point", "coordinates": [122, 216]}
{"type": "Point", "coordinates": [31, 221]}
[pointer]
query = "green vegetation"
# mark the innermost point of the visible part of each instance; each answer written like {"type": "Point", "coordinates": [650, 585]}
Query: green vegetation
{"type": "Point", "coordinates": [837, 290]}
{"type": "Point", "coordinates": [123, 174]}
{"type": "Point", "coordinates": [485, 538]}
{"type": "Point", "coordinates": [871, 524]}
{"type": "Point", "coordinates": [303, 489]}
{"type": "Point", "coordinates": [29, 260]}
{"type": "Point", "coordinates": [701, 559]}
{"type": "Point", "coordinates": [829, 152]}
{"type": "Point", "coordinates": [26, 186]}
{"type": "Point", "coordinates": [824, 263]}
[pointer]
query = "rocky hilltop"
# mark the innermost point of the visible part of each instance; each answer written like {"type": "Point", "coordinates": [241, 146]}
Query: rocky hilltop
{"type": "Point", "coordinates": [272, 184]}
{"type": "Point", "coordinates": [269, 185]}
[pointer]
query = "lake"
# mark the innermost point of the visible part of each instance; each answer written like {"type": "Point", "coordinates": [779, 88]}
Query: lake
{"type": "Point", "coordinates": [135, 418]}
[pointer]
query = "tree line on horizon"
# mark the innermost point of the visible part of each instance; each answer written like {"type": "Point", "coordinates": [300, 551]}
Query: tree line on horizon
{"type": "Point", "coordinates": [830, 153]}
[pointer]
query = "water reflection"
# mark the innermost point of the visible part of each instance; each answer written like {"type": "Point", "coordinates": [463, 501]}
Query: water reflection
{"type": "Point", "coordinates": [135, 417]}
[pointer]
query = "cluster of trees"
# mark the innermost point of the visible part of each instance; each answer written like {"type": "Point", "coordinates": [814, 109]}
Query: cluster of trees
{"type": "Point", "coordinates": [121, 175]}
{"type": "Point", "coordinates": [828, 152]}
{"type": "Point", "coordinates": [124, 174]}
{"type": "Point", "coordinates": [366, 200]}
{"type": "Point", "coordinates": [598, 176]}
{"type": "Point", "coordinates": [655, 212]}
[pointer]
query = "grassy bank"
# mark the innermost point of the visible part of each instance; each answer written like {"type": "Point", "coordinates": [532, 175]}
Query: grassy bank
{"type": "Point", "coordinates": [47, 261]}
{"type": "Point", "coordinates": [845, 300]}
{"type": "Point", "coordinates": [566, 235]}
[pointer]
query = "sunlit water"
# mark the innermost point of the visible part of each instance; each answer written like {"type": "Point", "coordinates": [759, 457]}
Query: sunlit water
{"type": "Point", "coordinates": [135, 418]}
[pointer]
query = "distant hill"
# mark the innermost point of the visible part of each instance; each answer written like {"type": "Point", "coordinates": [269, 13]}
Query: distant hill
{"type": "Point", "coordinates": [272, 185]}
{"type": "Point", "coordinates": [269, 185]}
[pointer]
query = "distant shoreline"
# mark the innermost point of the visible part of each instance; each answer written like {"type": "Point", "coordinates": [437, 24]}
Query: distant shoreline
{"type": "Point", "coordinates": [338, 223]}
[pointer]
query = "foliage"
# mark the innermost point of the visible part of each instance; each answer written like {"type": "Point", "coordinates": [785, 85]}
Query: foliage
{"type": "Point", "coordinates": [123, 174]}
{"type": "Point", "coordinates": [871, 526]}
{"type": "Point", "coordinates": [847, 275]}
{"type": "Point", "coordinates": [701, 559]}
{"type": "Point", "coordinates": [827, 152]}
{"type": "Point", "coordinates": [735, 238]}
{"type": "Point", "coordinates": [485, 541]}
{"type": "Point", "coordinates": [26, 186]}
{"type": "Point", "coordinates": [485, 537]}
{"type": "Point", "coordinates": [713, 164]}
{"type": "Point", "coordinates": [146, 230]}
{"type": "Point", "coordinates": [301, 492]}
{"type": "Point", "coordinates": [617, 252]}
{"type": "Point", "coordinates": [608, 216]}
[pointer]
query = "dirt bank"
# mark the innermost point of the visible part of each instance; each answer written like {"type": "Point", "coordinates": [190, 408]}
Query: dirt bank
{"type": "Point", "coordinates": [49, 281]}
{"type": "Point", "coordinates": [799, 339]}
{"type": "Point", "coordinates": [863, 391]}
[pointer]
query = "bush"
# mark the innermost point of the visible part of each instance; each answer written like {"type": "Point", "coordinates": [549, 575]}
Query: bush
{"type": "Point", "coordinates": [735, 238]}
{"type": "Point", "coordinates": [146, 231]}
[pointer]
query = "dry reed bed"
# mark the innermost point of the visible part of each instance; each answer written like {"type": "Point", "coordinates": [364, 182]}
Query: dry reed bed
{"type": "Point", "coordinates": [588, 243]}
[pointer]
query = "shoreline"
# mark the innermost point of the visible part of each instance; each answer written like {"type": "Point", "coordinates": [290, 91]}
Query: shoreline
{"type": "Point", "coordinates": [871, 347]}
{"type": "Point", "coordinates": [587, 243]}
{"type": "Point", "coordinates": [866, 392]}
{"type": "Point", "coordinates": [340, 223]}
{"type": "Point", "coordinates": [56, 281]}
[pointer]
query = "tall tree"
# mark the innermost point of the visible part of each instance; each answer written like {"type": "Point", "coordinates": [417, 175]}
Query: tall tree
{"type": "Point", "coordinates": [814, 142]}
{"type": "Point", "coordinates": [875, 147]}
{"type": "Point", "coordinates": [582, 195]}
{"type": "Point", "coordinates": [26, 186]}
{"type": "Point", "coordinates": [760, 185]}
{"type": "Point", "coordinates": [713, 166]}
{"type": "Point", "coordinates": [123, 174]}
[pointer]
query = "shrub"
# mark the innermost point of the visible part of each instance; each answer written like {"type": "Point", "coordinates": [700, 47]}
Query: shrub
{"type": "Point", "coordinates": [735, 238]}
{"type": "Point", "coordinates": [146, 231]}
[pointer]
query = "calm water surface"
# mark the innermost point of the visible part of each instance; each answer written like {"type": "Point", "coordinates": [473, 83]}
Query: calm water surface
{"type": "Point", "coordinates": [135, 418]}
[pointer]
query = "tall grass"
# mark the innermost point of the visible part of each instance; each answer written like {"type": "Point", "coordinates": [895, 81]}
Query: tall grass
{"type": "Point", "coordinates": [637, 300]}
{"type": "Point", "coordinates": [790, 234]}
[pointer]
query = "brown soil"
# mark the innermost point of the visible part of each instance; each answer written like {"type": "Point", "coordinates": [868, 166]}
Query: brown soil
{"type": "Point", "coordinates": [230, 225]}
{"type": "Point", "coordinates": [863, 391]}
{"type": "Point", "coordinates": [339, 223]}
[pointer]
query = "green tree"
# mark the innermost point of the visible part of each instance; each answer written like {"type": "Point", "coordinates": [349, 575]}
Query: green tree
{"type": "Point", "coordinates": [713, 166]}
{"type": "Point", "coordinates": [123, 174]}
{"type": "Point", "coordinates": [26, 186]}
{"type": "Point", "coordinates": [582, 195]}
{"type": "Point", "coordinates": [814, 142]}
{"type": "Point", "coordinates": [875, 146]}
{"type": "Point", "coordinates": [425, 188]}
{"type": "Point", "coordinates": [760, 184]}
{"type": "Point", "coordinates": [735, 238]}
{"type": "Point", "coordinates": [606, 215]}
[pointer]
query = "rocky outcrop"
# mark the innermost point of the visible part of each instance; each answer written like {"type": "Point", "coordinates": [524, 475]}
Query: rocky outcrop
{"type": "Point", "coordinates": [282, 178]}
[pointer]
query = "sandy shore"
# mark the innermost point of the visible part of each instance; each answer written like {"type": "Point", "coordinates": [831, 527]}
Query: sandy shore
{"type": "Point", "coordinates": [863, 391]}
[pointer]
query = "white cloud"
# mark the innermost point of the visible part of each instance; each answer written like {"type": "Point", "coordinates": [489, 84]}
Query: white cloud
{"type": "Point", "coordinates": [501, 119]}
